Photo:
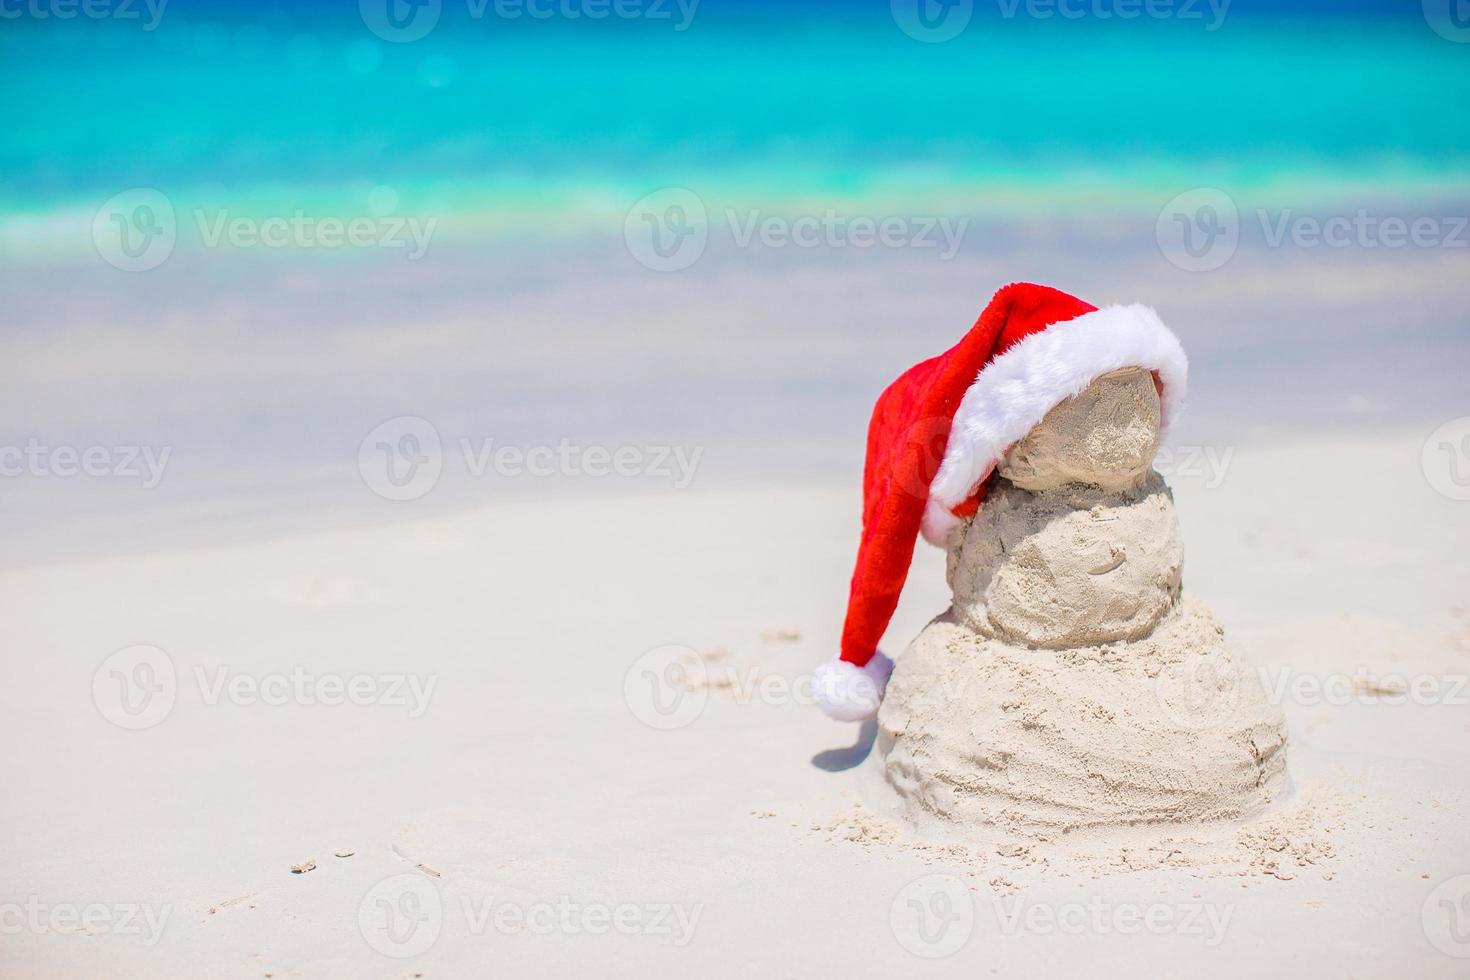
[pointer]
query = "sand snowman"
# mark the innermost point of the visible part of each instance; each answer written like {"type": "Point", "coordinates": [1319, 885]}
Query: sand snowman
{"type": "Point", "coordinates": [1071, 684]}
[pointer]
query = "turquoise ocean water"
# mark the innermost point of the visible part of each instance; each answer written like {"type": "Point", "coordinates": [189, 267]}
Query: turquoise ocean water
{"type": "Point", "coordinates": [504, 120]}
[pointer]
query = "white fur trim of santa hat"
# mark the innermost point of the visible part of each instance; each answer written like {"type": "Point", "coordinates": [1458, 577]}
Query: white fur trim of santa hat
{"type": "Point", "coordinates": [1015, 391]}
{"type": "Point", "coordinates": [847, 692]}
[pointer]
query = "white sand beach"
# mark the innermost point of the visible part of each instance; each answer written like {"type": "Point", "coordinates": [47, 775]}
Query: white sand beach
{"type": "Point", "coordinates": [477, 708]}
{"type": "Point", "coordinates": [433, 446]}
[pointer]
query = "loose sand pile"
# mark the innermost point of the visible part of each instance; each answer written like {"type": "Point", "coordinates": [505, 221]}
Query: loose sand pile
{"type": "Point", "coordinates": [1298, 840]}
{"type": "Point", "coordinates": [1071, 688]}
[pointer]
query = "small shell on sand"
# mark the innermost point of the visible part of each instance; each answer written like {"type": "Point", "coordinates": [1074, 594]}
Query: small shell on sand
{"type": "Point", "coordinates": [300, 869]}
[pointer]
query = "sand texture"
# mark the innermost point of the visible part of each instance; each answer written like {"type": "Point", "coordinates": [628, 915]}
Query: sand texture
{"type": "Point", "coordinates": [535, 775]}
{"type": "Point", "coordinates": [1036, 741]}
{"type": "Point", "coordinates": [1107, 435]}
{"type": "Point", "coordinates": [1067, 567]}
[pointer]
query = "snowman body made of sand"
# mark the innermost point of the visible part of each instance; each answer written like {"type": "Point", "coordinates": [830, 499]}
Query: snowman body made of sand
{"type": "Point", "coordinates": [1071, 685]}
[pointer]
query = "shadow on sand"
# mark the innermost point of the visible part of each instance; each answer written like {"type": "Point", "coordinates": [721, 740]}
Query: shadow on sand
{"type": "Point", "coordinates": [836, 760]}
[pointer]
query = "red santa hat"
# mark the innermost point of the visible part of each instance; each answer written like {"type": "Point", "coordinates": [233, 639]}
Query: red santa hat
{"type": "Point", "coordinates": [940, 430]}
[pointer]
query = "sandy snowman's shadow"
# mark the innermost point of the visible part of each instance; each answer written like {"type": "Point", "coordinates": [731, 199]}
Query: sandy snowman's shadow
{"type": "Point", "coordinates": [836, 760]}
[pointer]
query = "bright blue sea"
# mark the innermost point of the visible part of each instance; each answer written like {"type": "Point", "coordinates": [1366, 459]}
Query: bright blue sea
{"type": "Point", "coordinates": [505, 113]}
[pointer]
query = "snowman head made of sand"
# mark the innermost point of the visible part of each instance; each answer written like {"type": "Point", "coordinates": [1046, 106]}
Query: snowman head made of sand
{"type": "Point", "coordinates": [1071, 684]}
